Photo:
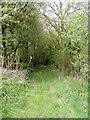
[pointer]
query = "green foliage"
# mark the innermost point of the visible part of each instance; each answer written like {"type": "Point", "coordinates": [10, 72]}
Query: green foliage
{"type": "Point", "coordinates": [27, 42]}
{"type": "Point", "coordinates": [17, 42]}
{"type": "Point", "coordinates": [77, 43]}
{"type": "Point", "coordinates": [44, 54]}
{"type": "Point", "coordinates": [32, 38]}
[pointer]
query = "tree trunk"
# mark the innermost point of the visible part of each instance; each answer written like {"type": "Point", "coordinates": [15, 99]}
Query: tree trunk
{"type": "Point", "coordinates": [5, 62]}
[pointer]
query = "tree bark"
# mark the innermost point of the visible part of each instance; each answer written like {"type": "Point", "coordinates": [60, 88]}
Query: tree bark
{"type": "Point", "coordinates": [5, 62]}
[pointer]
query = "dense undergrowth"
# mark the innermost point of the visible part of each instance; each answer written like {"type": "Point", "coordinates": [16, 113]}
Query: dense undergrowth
{"type": "Point", "coordinates": [44, 95]}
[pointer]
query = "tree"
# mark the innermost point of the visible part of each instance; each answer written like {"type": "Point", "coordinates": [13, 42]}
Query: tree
{"type": "Point", "coordinates": [21, 29]}
{"type": "Point", "coordinates": [56, 17]}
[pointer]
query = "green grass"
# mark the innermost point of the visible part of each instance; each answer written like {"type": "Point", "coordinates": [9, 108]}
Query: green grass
{"type": "Point", "coordinates": [46, 97]}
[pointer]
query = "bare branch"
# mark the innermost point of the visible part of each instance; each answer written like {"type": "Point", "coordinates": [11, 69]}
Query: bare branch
{"type": "Point", "coordinates": [55, 12]}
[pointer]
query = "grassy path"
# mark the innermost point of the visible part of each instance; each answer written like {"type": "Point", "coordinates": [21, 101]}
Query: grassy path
{"type": "Point", "coordinates": [0, 88]}
{"type": "Point", "coordinates": [46, 96]}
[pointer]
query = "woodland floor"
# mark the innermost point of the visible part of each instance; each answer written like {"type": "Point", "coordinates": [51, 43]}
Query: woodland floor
{"type": "Point", "coordinates": [0, 88]}
{"type": "Point", "coordinates": [43, 95]}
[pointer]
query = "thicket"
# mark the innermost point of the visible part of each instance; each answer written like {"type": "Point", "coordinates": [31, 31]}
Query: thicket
{"type": "Point", "coordinates": [45, 34]}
